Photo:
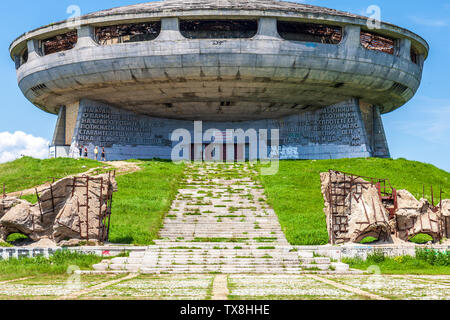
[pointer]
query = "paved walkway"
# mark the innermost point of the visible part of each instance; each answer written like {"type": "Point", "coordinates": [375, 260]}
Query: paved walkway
{"type": "Point", "coordinates": [220, 222]}
{"type": "Point", "coordinates": [232, 287]}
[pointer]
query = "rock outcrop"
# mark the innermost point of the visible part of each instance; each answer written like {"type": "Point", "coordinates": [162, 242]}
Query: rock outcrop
{"type": "Point", "coordinates": [445, 212]}
{"type": "Point", "coordinates": [415, 217]}
{"type": "Point", "coordinates": [355, 210]}
{"type": "Point", "coordinates": [73, 208]}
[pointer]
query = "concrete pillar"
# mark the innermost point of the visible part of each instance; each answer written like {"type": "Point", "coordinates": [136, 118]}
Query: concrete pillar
{"type": "Point", "coordinates": [34, 51]}
{"type": "Point", "coordinates": [267, 28]}
{"type": "Point", "coordinates": [17, 61]}
{"type": "Point", "coordinates": [404, 49]}
{"type": "Point", "coordinates": [86, 37]}
{"type": "Point", "coordinates": [352, 36]}
{"type": "Point", "coordinates": [59, 137]}
{"type": "Point", "coordinates": [421, 60]}
{"type": "Point", "coordinates": [170, 29]}
{"type": "Point", "coordinates": [380, 145]}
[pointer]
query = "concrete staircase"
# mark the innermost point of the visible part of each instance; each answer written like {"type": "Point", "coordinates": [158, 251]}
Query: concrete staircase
{"type": "Point", "coordinates": [220, 223]}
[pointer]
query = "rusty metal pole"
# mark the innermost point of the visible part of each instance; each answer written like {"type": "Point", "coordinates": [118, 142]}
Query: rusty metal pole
{"type": "Point", "coordinates": [432, 196]}
{"type": "Point", "coordinates": [40, 206]}
{"type": "Point", "coordinates": [53, 198]}
{"type": "Point", "coordinates": [100, 215]}
{"type": "Point", "coordinates": [87, 208]}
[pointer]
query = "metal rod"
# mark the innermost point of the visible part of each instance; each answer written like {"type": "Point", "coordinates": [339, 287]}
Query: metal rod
{"type": "Point", "coordinates": [100, 216]}
{"type": "Point", "coordinates": [432, 196]}
{"type": "Point", "coordinates": [53, 199]}
{"type": "Point", "coordinates": [40, 207]}
{"type": "Point", "coordinates": [87, 208]}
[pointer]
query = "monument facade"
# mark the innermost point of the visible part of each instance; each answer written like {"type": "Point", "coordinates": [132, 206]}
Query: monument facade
{"type": "Point", "coordinates": [127, 78]}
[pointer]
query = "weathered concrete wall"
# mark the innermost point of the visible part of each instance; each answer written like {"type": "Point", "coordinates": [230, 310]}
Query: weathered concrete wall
{"type": "Point", "coordinates": [273, 76]}
{"type": "Point", "coordinates": [336, 131]}
{"type": "Point", "coordinates": [362, 251]}
{"type": "Point", "coordinates": [335, 252]}
{"type": "Point", "coordinates": [29, 252]}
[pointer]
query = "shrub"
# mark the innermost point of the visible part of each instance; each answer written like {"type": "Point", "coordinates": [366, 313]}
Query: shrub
{"type": "Point", "coordinates": [376, 257]}
{"type": "Point", "coordinates": [433, 257]}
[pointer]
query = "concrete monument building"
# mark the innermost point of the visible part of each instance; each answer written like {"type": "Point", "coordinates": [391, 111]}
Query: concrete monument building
{"type": "Point", "coordinates": [126, 78]}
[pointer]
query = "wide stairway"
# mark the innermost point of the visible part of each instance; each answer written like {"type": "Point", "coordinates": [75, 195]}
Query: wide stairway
{"type": "Point", "coordinates": [220, 222]}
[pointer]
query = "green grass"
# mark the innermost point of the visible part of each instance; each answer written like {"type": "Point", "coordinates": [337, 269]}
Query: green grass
{"type": "Point", "coordinates": [295, 193]}
{"type": "Point", "coordinates": [426, 262]}
{"type": "Point", "coordinates": [421, 238]}
{"type": "Point", "coordinates": [27, 172]}
{"type": "Point", "coordinates": [143, 199]}
{"type": "Point", "coordinates": [56, 264]}
{"type": "Point", "coordinates": [368, 240]}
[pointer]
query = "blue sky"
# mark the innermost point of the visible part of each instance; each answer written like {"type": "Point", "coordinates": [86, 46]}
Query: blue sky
{"type": "Point", "coordinates": [420, 130]}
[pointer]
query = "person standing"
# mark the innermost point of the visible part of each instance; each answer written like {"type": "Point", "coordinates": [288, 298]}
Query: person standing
{"type": "Point", "coordinates": [80, 148]}
{"type": "Point", "coordinates": [96, 153]}
{"type": "Point", "coordinates": [103, 154]}
{"type": "Point", "coordinates": [85, 152]}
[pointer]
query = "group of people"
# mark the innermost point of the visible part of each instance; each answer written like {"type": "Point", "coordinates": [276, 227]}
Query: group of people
{"type": "Point", "coordinates": [84, 152]}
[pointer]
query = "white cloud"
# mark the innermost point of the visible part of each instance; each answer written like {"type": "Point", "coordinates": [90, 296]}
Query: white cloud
{"type": "Point", "coordinates": [17, 144]}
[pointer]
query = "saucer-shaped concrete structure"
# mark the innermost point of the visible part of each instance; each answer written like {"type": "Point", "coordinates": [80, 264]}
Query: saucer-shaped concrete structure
{"type": "Point", "coordinates": [125, 78]}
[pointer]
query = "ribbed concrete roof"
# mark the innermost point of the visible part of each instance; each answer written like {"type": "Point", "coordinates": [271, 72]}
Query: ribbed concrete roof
{"type": "Point", "coordinates": [186, 5]}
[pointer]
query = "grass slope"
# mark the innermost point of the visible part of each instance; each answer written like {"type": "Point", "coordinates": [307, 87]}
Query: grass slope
{"type": "Point", "coordinates": [143, 199]}
{"type": "Point", "coordinates": [295, 193]}
{"type": "Point", "coordinates": [27, 172]}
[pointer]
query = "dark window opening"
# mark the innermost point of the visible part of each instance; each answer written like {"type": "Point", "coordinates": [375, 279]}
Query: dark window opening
{"type": "Point", "coordinates": [21, 59]}
{"type": "Point", "coordinates": [414, 55]}
{"type": "Point", "coordinates": [373, 41]}
{"type": "Point", "coordinates": [218, 29]}
{"type": "Point", "coordinates": [61, 42]}
{"type": "Point", "coordinates": [128, 33]}
{"type": "Point", "coordinates": [24, 57]}
{"type": "Point", "coordinates": [309, 32]}
{"type": "Point", "coordinates": [225, 103]}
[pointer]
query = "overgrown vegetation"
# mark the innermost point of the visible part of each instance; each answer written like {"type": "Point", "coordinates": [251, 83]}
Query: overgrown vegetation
{"type": "Point", "coordinates": [143, 199]}
{"type": "Point", "coordinates": [27, 172]}
{"type": "Point", "coordinates": [426, 261]}
{"type": "Point", "coordinates": [295, 191]}
{"type": "Point", "coordinates": [56, 264]}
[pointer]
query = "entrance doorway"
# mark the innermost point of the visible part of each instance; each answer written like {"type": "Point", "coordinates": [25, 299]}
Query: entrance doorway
{"type": "Point", "coordinates": [240, 152]}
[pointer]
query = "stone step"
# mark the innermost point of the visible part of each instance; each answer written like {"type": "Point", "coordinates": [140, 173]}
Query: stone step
{"type": "Point", "coordinates": [137, 254]}
{"type": "Point", "coordinates": [219, 253]}
{"type": "Point", "coordinates": [305, 254]}
{"type": "Point", "coordinates": [229, 245]}
{"type": "Point", "coordinates": [316, 266]}
{"type": "Point", "coordinates": [241, 262]}
{"type": "Point", "coordinates": [315, 260]}
{"type": "Point", "coordinates": [223, 270]}
{"type": "Point", "coordinates": [340, 267]}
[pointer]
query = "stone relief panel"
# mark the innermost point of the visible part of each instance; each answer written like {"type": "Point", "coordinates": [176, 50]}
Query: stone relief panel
{"type": "Point", "coordinates": [333, 132]}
